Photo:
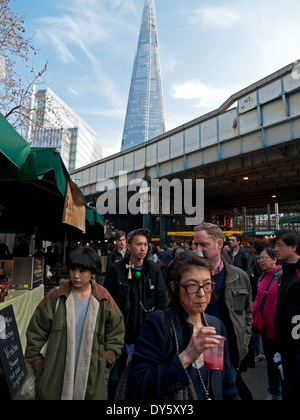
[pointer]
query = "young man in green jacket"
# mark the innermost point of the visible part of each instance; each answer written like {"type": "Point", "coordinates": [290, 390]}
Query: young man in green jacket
{"type": "Point", "coordinates": [83, 330]}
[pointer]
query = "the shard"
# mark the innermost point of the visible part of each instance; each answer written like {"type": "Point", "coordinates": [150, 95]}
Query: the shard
{"type": "Point", "coordinates": [145, 118]}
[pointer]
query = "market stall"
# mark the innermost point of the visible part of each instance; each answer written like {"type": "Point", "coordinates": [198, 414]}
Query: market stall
{"type": "Point", "coordinates": [38, 198]}
{"type": "Point", "coordinates": [24, 303]}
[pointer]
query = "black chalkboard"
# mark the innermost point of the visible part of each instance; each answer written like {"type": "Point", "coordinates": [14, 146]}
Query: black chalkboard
{"type": "Point", "coordinates": [11, 354]}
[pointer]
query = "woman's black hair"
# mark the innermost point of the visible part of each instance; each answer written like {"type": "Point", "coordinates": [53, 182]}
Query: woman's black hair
{"type": "Point", "coordinates": [86, 258]}
{"type": "Point", "coordinates": [185, 261]}
{"type": "Point", "coordinates": [271, 252]}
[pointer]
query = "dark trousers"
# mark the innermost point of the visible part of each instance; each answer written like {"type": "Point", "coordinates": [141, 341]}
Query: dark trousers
{"type": "Point", "coordinates": [274, 379]}
{"type": "Point", "coordinates": [291, 371]}
{"type": "Point", "coordinates": [115, 375]}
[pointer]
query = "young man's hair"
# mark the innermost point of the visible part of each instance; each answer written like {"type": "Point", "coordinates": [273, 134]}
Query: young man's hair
{"type": "Point", "coordinates": [238, 237]}
{"type": "Point", "coordinates": [290, 238]}
{"type": "Point", "coordinates": [119, 235]}
{"type": "Point", "coordinates": [85, 258]}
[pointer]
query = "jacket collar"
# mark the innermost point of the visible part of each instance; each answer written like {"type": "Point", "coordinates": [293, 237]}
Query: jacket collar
{"type": "Point", "coordinates": [97, 291]}
{"type": "Point", "coordinates": [230, 273]}
{"type": "Point", "coordinates": [146, 264]}
{"type": "Point", "coordinates": [291, 268]}
{"type": "Point", "coordinates": [277, 272]}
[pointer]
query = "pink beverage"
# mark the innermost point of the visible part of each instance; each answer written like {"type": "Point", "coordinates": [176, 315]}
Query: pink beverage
{"type": "Point", "coordinates": [214, 358]}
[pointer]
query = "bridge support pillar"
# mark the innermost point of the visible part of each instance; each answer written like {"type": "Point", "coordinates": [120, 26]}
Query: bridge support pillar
{"type": "Point", "coordinates": [166, 225]}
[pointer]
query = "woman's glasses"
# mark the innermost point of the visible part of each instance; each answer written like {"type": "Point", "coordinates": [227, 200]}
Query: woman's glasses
{"type": "Point", "coordinates": [192, 289]}
{"type": "Point", "coordinates": [263, 258]}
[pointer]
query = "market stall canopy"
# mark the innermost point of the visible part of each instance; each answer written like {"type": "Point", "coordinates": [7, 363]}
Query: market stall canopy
{"type": "Point", "coordinates": [292, 219]}
{"type": "Point", "coordinates": [14, 149]}
{"type": "Point", "coordinates": [93, 218]}
{"type": "Point", "coordinates": [33, 196]}
{"type": "Point", "coordinates": [36, 191]}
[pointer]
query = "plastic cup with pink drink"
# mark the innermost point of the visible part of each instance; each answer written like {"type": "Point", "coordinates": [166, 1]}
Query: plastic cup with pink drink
{"type": "Point", "coordinates": [214, 357]}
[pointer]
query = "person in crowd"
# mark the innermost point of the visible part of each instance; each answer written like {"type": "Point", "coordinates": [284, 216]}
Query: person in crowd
{"type": "Point", "coordinates": [5, 253]}
{"type": "Point", "coordinates": [287, 318]}
{"type": "Point", "coordinates": [187, 244]}
{"type": "Point", "coordinates": [255, 272]}
{"type": "Point", "coordinates": [175, 247]}
{"type": "Point", "coordinates": [249, 248]}
{"type": "Point", "coordinates": [56, 257]}
{"type": "Point", "coordinates": [190, 285]}
{"type": "Point", "coordinates": [84, 330]}
{"type": "Point", "coordinates": [21, 248]}
{"type": "Point", "coordinates": [237, 253]}
{"type": "Point", "coordinates": [272, 271]}
{"type": "Point", "coordinates": [49, 256]}
{"type": "Point", "coordinates": [39, 250]}
{"type": "Point", "coordinates": [165, 256]}
{"type": "Point", "coordinates": [233, 304]}
{"type": "Point", "coordinates": [154, 254]}
{"type": "Point", "coordinates": [138, 287]}
{"type": "Point", "coordinates": [119, 252]}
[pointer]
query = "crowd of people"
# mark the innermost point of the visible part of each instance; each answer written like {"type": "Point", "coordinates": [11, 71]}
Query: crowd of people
{"type": "Point", "coordinates": [159, 310]}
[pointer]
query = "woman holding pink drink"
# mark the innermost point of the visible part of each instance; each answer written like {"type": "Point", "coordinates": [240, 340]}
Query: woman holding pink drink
{"type": "Point", "coordinates": [170, 357]}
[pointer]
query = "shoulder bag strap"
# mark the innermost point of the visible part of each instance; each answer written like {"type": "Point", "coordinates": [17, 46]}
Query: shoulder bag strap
{"type": "Point", "coordinates": [167, 323]}
{"type": "Point", "coordinates": [263, 301]}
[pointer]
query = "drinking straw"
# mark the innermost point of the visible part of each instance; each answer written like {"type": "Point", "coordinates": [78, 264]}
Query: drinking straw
{"type": "Point", "coordinates": [205, 320]}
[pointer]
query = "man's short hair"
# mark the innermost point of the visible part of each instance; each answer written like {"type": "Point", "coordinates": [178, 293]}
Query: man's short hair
{"type": "Point", "coordinates": [133, 233]}
{"type": "Point", "coordinates": [290, 238]}
{"type": "Point", "coordinates": [238, 237]}
{"type": "Point", "coordinates": [212, 230]}
{"type": "Point", "coordinates": [119, 235]}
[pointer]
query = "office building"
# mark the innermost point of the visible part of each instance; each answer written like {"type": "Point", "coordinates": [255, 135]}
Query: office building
{"type": "Point", "coordinates": [57, 125]}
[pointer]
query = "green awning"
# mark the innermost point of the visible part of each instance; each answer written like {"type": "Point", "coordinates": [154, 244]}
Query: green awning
{"type": "Point", "coordinates": [13, 147]}
{"type": "Point", "coordinates": [41, 163]}
{"type": "Point", "coordinates": [33, 185]}
{"type": "Point", "coordinates": [292, 219]}
{"type": "Point", "coordinates": [92, 217]}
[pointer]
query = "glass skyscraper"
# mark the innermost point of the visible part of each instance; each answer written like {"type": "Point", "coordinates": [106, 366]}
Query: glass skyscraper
{"type": "Point", "coordinates": [145, 116]}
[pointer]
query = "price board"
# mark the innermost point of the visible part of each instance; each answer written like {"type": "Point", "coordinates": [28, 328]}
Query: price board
{"type": "Point", "coordinates": [11, 353]}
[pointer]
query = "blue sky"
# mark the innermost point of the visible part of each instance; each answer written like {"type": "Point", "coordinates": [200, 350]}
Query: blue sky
{"type": "Point", "coordinates": [208, 51]}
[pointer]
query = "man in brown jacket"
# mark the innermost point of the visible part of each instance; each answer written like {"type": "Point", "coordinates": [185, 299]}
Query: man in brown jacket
{"type": "Point", "coordinates": [234, 299]}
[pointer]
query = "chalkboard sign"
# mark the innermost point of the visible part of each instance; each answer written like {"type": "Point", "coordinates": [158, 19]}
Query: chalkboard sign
{"type": "Point", "coordinates": [11, 353]}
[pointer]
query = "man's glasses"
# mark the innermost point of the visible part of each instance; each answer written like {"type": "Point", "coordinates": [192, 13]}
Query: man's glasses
{"type": "Point", "coordinates": [192, 289]}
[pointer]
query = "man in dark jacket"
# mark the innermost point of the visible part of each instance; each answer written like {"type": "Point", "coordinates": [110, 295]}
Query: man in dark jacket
{"type": "Point", "coordinates": [120, 250]}
{"type": "Point", "coordinates": [287, 319]}
{"type": "Point", "coordinates": [138, 288]}
{"type": "Point", "coordinates": [237, 253]}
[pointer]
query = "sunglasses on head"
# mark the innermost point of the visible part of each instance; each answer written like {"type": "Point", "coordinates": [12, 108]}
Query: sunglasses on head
{"type": "Point", "coordinates": [188, 254]}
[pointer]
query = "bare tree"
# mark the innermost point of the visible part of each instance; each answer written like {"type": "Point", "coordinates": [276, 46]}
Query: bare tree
{"type": "Point", "coordinates": [16, 49]}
